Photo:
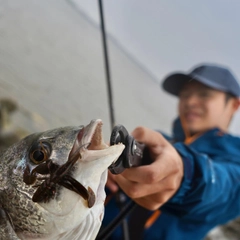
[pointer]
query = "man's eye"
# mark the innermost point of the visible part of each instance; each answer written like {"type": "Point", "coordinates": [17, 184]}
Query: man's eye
{"type": "Point", "coordinates": [204, 94]}
{"type": "Point", "coordinates": [184, 95]}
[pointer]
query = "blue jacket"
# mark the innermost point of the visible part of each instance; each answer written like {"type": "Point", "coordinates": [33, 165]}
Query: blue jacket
{"type": "Point", "coordinates": [209, 194]}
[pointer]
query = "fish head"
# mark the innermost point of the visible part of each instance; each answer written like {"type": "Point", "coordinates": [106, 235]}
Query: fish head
{"type": "Point", "coordinates": [58, 177]}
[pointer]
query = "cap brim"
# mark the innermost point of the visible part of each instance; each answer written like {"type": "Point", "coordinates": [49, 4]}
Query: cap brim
{"type": "Point", "coordinates": [174, 83]}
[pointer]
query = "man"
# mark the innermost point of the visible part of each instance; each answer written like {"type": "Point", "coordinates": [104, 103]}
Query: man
{"type": "Point", "coordinates": [193, 183]}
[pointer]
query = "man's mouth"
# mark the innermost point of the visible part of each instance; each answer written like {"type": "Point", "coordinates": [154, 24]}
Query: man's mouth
{"type": "Point", "coordinates": [191, 116]}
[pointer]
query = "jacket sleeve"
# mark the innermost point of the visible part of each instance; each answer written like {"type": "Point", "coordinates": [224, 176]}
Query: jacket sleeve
{"type": "Point", "coordinates": [210, 189]}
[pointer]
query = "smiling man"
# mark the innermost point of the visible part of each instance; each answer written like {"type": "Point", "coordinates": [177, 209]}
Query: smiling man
{"type": "Point", "coordinates": [202, 108]}
{"type": "Point", "coordinates": [208, 97]}
{"type": "Point", "coordinates": [193, 183]}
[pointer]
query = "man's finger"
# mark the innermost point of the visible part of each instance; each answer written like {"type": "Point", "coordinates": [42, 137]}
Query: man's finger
{"type": "Point", "coordinates": [149, 137]}
{"type": "Point", "coordinates": [162, 167]}
{"type": "Point", "coordinates": [139, 190]}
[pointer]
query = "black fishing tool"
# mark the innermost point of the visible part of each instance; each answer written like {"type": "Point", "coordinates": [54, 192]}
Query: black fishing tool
{"type": "Point", "coordinates": [135, 154]}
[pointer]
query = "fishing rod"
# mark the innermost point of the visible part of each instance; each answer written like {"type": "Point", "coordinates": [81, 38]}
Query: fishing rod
{"type": "Point", "coordinates": [120, 197]}
{"type": "Point", "coordinates": [107, 67]}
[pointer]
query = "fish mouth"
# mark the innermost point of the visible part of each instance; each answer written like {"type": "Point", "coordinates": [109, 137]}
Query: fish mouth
{"type": "Point", "coordinates": [90, 140]}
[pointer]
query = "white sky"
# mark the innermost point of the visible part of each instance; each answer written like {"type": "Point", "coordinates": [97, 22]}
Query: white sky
{"type": "Point", "coordinates": [170, 35]}
{"type": "Point", "coordinates": [173, 35]}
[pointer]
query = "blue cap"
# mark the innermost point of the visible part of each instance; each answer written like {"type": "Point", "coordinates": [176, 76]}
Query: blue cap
{"type": "Point", "coordinates": [213, 76]}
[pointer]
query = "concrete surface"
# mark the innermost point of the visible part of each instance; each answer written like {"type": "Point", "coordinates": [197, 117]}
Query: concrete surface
{"type": "Point", "coordinates": [52, 65]}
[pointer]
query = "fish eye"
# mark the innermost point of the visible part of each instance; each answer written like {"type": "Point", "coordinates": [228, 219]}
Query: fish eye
{"type": "Point", "coordinates": [40, 152]}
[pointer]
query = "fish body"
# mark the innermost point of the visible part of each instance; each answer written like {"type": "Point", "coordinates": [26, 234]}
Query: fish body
{"type": "Point", "coordinates": [52, 184]}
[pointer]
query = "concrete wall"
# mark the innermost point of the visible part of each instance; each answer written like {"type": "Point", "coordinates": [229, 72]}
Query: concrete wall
{"type": "Point", "coordinates": [52, 65]}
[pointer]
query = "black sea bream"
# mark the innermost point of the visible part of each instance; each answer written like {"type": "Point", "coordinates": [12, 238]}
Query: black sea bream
{"type": "Point", "coordinates": [52, 184]}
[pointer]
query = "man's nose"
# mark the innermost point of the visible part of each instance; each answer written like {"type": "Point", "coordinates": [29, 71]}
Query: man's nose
{"type": "Point", "coordinates": [192, 100]}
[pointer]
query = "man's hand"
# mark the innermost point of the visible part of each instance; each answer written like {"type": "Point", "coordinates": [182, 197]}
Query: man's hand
{"type": "Point", "coordinates": [151, 185]}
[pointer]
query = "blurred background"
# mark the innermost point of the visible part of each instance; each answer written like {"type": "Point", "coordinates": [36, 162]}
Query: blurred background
{"type": "Point", "coordinates": [52, 67]}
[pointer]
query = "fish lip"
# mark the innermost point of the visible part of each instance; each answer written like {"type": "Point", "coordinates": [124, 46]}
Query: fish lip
{"type": "Point", "coordinates": [89, 137]}
{"type": "Point", "coordinates": [94, 136]}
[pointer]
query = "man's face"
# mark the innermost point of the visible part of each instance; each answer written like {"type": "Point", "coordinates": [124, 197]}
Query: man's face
{"type": "Point", "coordinates": [202, 108]}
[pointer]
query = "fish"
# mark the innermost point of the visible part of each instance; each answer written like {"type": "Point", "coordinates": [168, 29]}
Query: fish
{"type": "Point", "coordinates": [52, 184]}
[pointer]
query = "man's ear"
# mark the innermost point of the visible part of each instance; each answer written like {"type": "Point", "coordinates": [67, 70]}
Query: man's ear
{"type": "Point", "coordinates": [236, 104]}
